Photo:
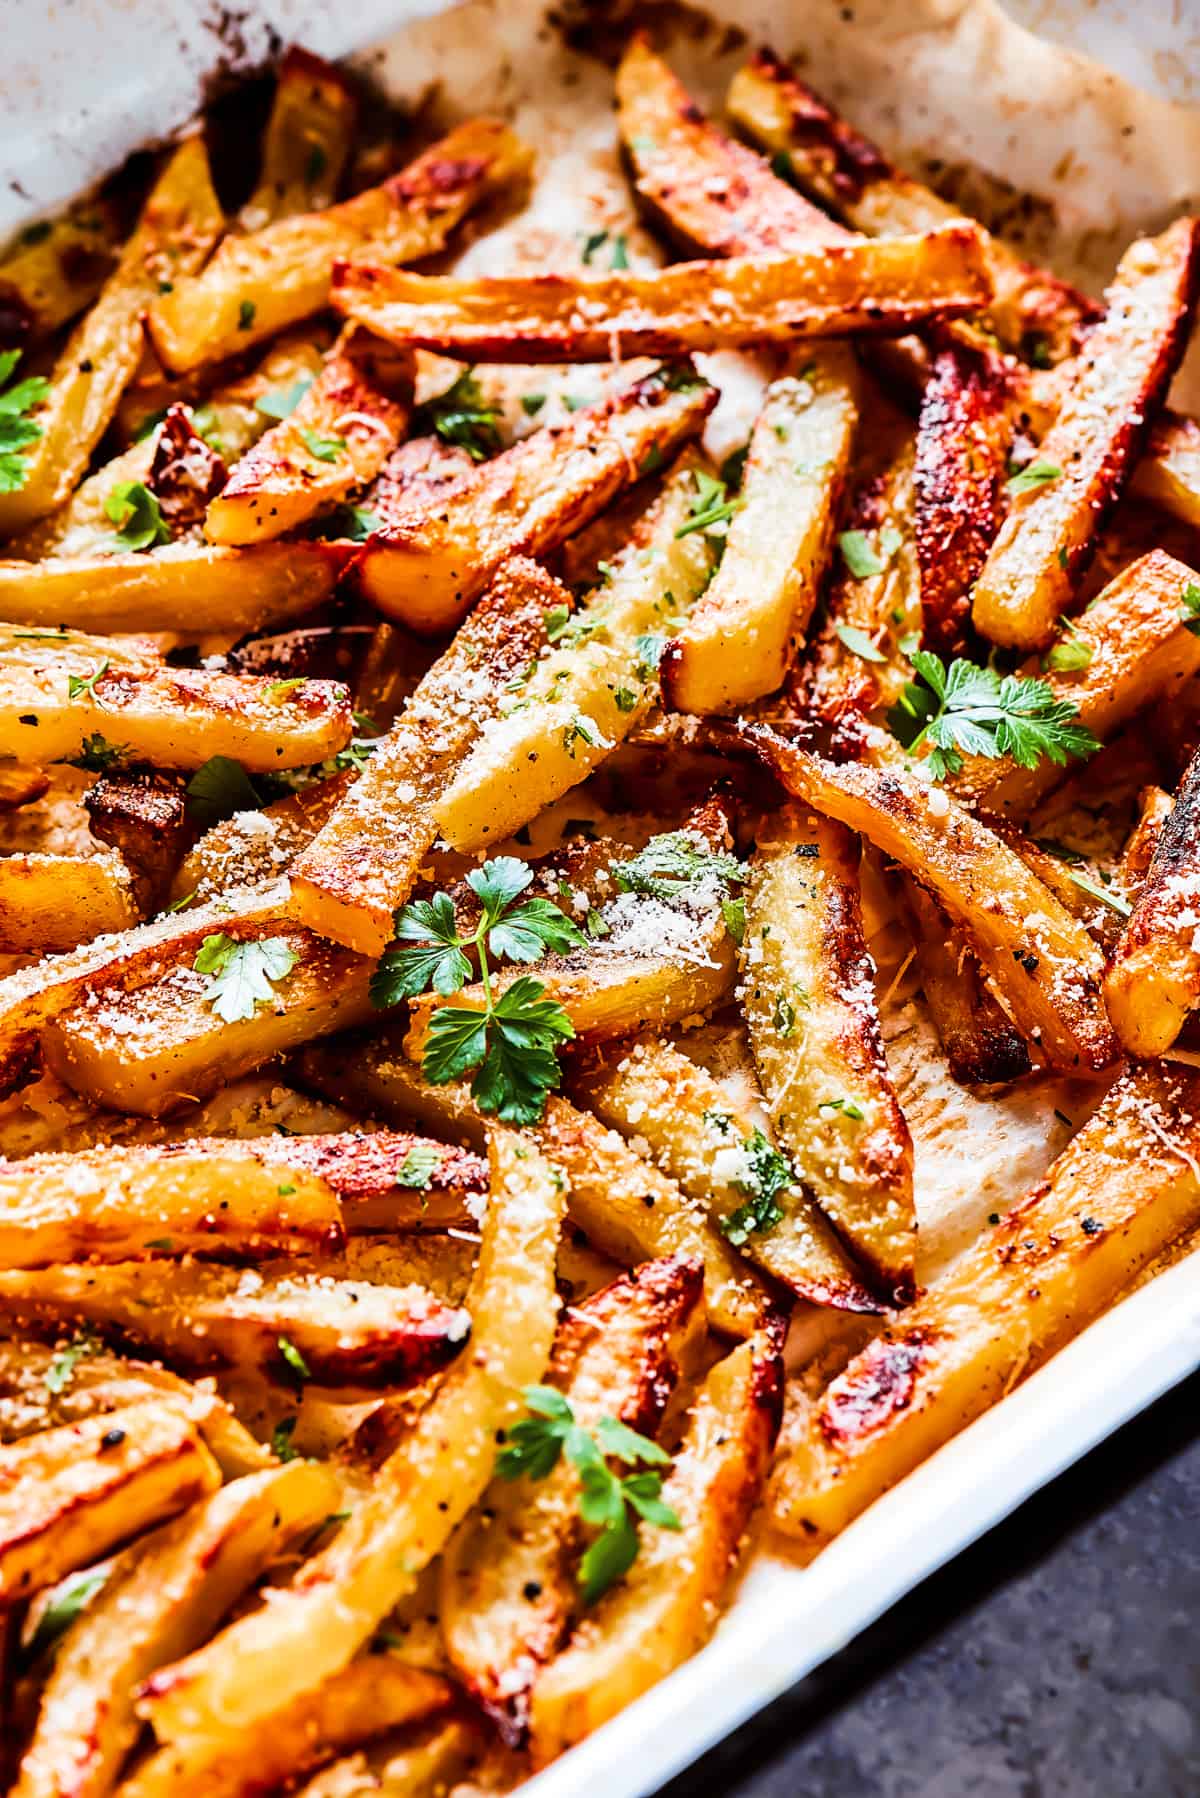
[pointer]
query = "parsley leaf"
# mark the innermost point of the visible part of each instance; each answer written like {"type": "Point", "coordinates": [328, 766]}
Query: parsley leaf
{"type": "Point", "coordinates": [61, 1370]}
{"type": "Point", "coordinates": [967, 710]}
{"type": "Point", "coordinates": [460, 416]}
{"type": "Point", "coordinates": [242, 973]}
{"type": "Point", "coordinates": [325, 449]}
{"type": "Point", "coordinates": [1034, 474]}
{"type": "Point", "coordinates": [98, 754]}
{"type": "Point", "coordinates": [353, 523]}
{"type": "Point", "coordinates": [281, 1439]}
{"type": "Point", "coordinates": [134, 510]}
{"type": "Point", "coordinates": [768, 1173]}
{"type": "Point", "coordinates": [673, 862]}
{"type": "Point", "coordinates": [70, 1599]}
{"type": "Point", "coordinates": [80, 684]}
{"type": "Point", "coordinates": [711, 510]}
{"type": "Point", "coordinates": [219, 788]}
{"type": "Point", "coordinates": [17, 430]}
{"type": "Point", "coordinates": [1071, 654]}
{"type": "Point", "coordinates": [247, 312]}
{"type": "Point", "coordinates": [860, 555]}
{"type": "Point", "coordinates": [858, 642]}
{"type": "Point", "coordinates": [294, 1359]}
{"type": "Point", "coordinates": [1190, 615]}
{"type": "Point", "coordinates": [282, 401]}
{"type": "Point", "coordinates": [419, 1165]}
{"type": "Point", "coordinates": [648, 653]}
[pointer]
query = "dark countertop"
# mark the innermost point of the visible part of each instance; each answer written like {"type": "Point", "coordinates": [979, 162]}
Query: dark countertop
{"type": "Point", "coordinates": [1057, 1658]}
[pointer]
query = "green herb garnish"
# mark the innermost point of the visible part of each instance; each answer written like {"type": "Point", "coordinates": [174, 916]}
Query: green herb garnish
{"type": "Point", "coordinates": [963, 709]}
{"type": "Point", "coordinates": [242, 973]}
{"type": "Point", "coordinates": [17, 430]}
{"type": "Point", "coordinates": [136, 513]}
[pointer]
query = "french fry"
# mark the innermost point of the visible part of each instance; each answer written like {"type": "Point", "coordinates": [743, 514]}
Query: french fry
{"type": "Point", "coordinates": [963, 438]}
{"type": "Point", "coordinates": [340, 1331]}
{"type": "Point", "coordinates": [1153, 980]}
{"type": "Point", "coordinates": [596, 683]}
{"type": "Point", "coordinates": [258, 284]}
{"type": "Point", "coordinates": [665, 1606]}
{"type": "Point", "coordinates": [336, 437]}
{"type": "Point", "coordinates": [1041, 960]}
{"type": "Point", "coordinates": [831, 290]}
{"type": "Point", "coordinates": [362, 865]}
{"type": "Point", "coordinates": [1122, 376]}
{"type": "Point", "coordinates": [434, 1759]}
{"type": "Point", "coordinates": [55, 268]}
{"type": "Point", "coordinates": [1154, 808]}
{"type": "Point", "coordinates": [69, 1496]}
{"type": "Point", "coordinates": [160, 1600]}
{"type": "Point", "coordinates": [57, 697]}
{"type": "Point", "coordinates": [736, 643]}
{"type": "Point", "coordinates": [180, 222]}
{"type": "Point", "coordinates": [417, 1498]}
{"type": "Point", "coordinates": [52, 902]}
{"type": "Point", "coordinates": [364, 1699]}
{"type": "Point", "coordinates": [507, 1595]}
{"type": "Point", "coordinates": [306, 143]}
{"type": "Point", "coordinates": [201, 1198]}
{"type": "Point", "coordinates": [621, 1202]}
{"type": "Point", "coordinates": [433, 558]}
{"type": "Point", "coordinates": [207, 589]}
{"type": "Point", "coordinates": [1123, 1189]}
{"type": "Point", "coordinates": [707, 1142]}
{"type": "Point", "coordinates": [143, 816]}
{"type": "Point", "coordinates": [1131, 647]}
{"type": "Point", "coordinates": [1169, 471]}
{"type": "Point", "coordinates": [229, 854]}
{"type": "Point", "coordinates": [813, 1022]}
{"type": "Point", "coordinates": [980, 1040]}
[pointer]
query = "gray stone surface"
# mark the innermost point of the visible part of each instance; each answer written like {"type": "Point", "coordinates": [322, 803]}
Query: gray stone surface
{"type": "Point", "coordinates": [1059, 1658]}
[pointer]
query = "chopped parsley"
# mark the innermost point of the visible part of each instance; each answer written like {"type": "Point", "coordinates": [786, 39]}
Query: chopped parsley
{"type": "Point", "coordinates": [324, 449]}
{"type": "Point", "coordinates": [860, 555]}
{"type": "Point", "coordinates": [282, 401]}
{"type": "Point", "coordinates": [1033, 475]}
{"type": "Point", "coordinates": [672, 863]}
{"type": "Point", "coordinates": [242, 974]}
{"type": "Point", "coordinates": [1190, 615]}
{"type": "Point", "coordinates": [136, 513]}
{"type": "Point", "coordinates": [962, 709]}
{"type": "Point", "coordinates": [70, 1599]}
{"type": "Point", "coordinates": [1070, 655]}
{"type": "Point", "coordinates": [768, 1173]}
{"type": "Point", "coordinates": [294, 1359]}
{"type": "Point", "coordinates": [18, 431]}
{"type": "Point", "coordinates": [712, 508]}
{"type": "Point", "coordinates": [460, 416]}
{"type": "Point", "coordinates": [61, 1370]}
{"type": "Point", "coordinates": [859, 642]}
{"type": "Point", "coordinates": [419, 1165]}
{"type": "Point", "coordinates": [80, 684]}
{"type": "Point", "coordinates": [247, 312]}
{"type": "Point", "coordinates": [98, 754]}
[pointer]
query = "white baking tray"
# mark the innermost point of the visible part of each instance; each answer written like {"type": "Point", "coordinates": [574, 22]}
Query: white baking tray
{"type": "Point", "coordinates": [85, 81]}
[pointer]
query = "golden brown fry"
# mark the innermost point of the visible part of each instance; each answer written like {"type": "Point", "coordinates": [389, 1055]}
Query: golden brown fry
{"type": "Point", "coordinates": [55, 268]}
{"type": "Point", "coordinates": [419, 1495]}
{"type": "Point", "coordinates": [180, 222]}
{"type": "Point", "coordinates": [256, 285]}
{"type": "Point", "coordinates": [336, 437]}
{"type": "Point", "coordinates": [1124, 1188]}
{"type": "Point", "coordinates": [1040, 959]}
{"type": "Point", "coordinates": [52, 902]}
{"type": "Point", "coordinates": [665, 1606]}
{"type": "Point", "coordinates": [981, 1042]}
{"type": "Point", "coordinates": [144, 817]}
{"type": "Point", "coordinates": [431, 1761]}
{"type": "Point", "coordinates": [437, 554]}
{"type": "Point", "coordinates": [69, 1496]}
{"type": "Point", "coordinates": [737, 641]}
{"type": "Point", "coordinates": [1120, 380]}
{"type": "Point", "coordinates": [307, 140]}
{"type": "Point", "coordinates": [1154, 808]}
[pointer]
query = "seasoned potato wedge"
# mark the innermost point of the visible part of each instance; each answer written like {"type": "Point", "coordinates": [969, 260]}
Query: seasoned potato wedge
{"type": "Point", "coordinates": [982, 1044]}
{"type": "Point", "coordinates": [386, 1179]}
{"type": "Point", "coordinates": [362, 865]}
{"type": "Point", "coordinates": [336, 437]}
{"type": "Point", "coordinates": [256, 285]}
{"type": "Point", "coordinates": [57, 697]}
{"type": "Point", "coordinates": [1120, 380]}
{"type": "Point", "coordinates": [1168, 473]}
{"type": "Point", "coordinates": [52, 902]}
{"type": "Point", "coordinates": [417, 1498]}
{"type": "Point", "coordinates": [596, 683]}
{"type": "Point", "coordinates": [507, 1592]}
{"type": "Point", "coordinates": [1123, 1189]}
{"type": "Point", "coordinates": [715, 1148]}
{"type": "Point", "coordinates": [160, 1600]}
{"type": "Point", "coordinates": [367, 1698]}
{"type": "Point", "coordinates": [1135, 647]}
{"type": "Point", "coordinates": [739, 636]}
{"type": "Point", "coordinates": [193, 584]}
{"type": "Point", "coordinates": [180, 222]}
{"type": "Point", "coordinates": [55, 268]}
{"type": "Point", "coordinates": [1041, 959]}
{"type": "Point", "coordinates": [665, 1606]}
{"type": "Point", "coordinates": [809, 1001]}
{"type": "Point", "coordinates": [341, 1332]}
{"type": "Point", "coordinates": [252, 849]}
{"type": "Point", "coordinates": [1154, 808]}
{"type": "Point", "coordinates": [1153, 981]}
{"type": "Point", "coordinates": [436, 555]}
{"type": "Point", "coordinates": [432, 1760]}
{"type": "Point", "coordinates": [861, 285]}
{"type": "Point", "coordinates": [306, 143]}
{"type": "Point", "coordinates": [113, 1203]}
{"type": "Point", "coordinates": [69, 1496]}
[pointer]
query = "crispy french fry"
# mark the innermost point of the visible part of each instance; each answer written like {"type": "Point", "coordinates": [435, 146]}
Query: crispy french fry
{"type": "Point", "coordinates": [886, 284]}
{"type": "Point", "coordinates": [417, 1498]}
{"type": "Point", "coordinates": [230, 855]}
{"type": "Point", "coordinates": [256, 285]}
{"type": "Point", "coordinates": [180, 222]}
{"type": "Point", "coordinates": [160, 1600]}
{"type": "Point", "coordinates": [1169, 470]}
{"type": "Point", "coordinates": [68, 1496]}
{"type": "Point", "coordinates": [57, 697]}
{"type": "Point", "coordinates": [336, 437]}
{"type": "Point", "coordinates": [351, 878]}
{"type": "Point", "coordinates": [340, 1331]}
{"type": "Point", "coordinates": [737, 641]}
{"type": "Point", "coordinates": [433, 1760]}
{"type": "Point", "coordinates": [1131, 647]}
{"type": "Point", "coordinates": [507, 1594]}
{"type": "Point", "coordinates": [596, 683]}
{"type": "Point", "coordinates": [306, 143]}
{"type": "Point", "coordinates": [665, 1606]}
{"type": "Point", "coordinates": [813, 1022]}
{"type": "Point", "coordinates": [189, 1198]}
{"type": "Point", "coordinates": [715, 1148]}
{"type": "Point", "coordinates": [963, 437]}
{"type": "Point", "coordinates": [367, 1698]}
{"type": "Point", "coordinates": [1121, 1191]}
{"type": "Point", "coordinates": [55, 268]}
{"type": "Point", "coordinates": [1153, 980]}
{"type": "Point", "coordinates": [435, 556]}
{"type": "Point", "coordinates": [1154, 808]}
{"type": "Point", "coordinates": [982, 1044]}
{"type": "Point", "coordinates": [1122, 377]}
{"type": "Point", "coordinates": [1040, 959]}
{"type": "Point", "coordinates": [52, 902]}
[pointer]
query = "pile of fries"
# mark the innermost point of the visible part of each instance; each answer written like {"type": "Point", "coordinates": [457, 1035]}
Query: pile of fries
{"type": "Point", "coordinates": [450, 829]}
